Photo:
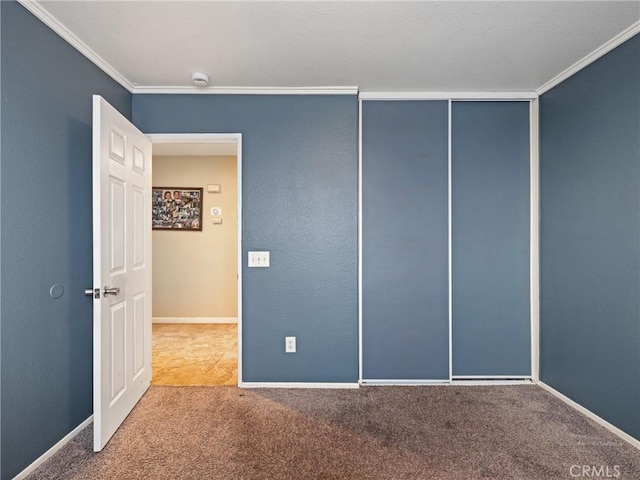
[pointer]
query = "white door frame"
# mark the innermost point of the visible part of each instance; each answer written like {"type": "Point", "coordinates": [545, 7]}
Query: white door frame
{"type": "Point", "coordinates": [534, 240]}
{"type": "Point", "coordinates": [189, 138]}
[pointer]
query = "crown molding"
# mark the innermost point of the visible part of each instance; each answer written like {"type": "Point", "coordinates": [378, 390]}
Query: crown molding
{"type": "Point", "coordinates": [35, 7]}
{"type": "Point", "coordinates": [49, 20]}
{"type": "Point", "coordinates": [590, 58]}
{"type": "Point", "coordinates": [247, 90]}
{"type": "Point", "coordinates": [448, 96]}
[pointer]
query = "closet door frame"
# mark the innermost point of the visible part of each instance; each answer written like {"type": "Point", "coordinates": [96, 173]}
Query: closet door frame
{"type": "Point", "coordinates": [530, 97]}
{"type": "Point", "coordinates": [405, 222]}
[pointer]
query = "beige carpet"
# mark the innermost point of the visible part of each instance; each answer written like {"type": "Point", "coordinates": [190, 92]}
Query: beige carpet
{"type": "Point", "coordinates": [195, 354]}
{"type": "Point", "coordinates": [438, 432]}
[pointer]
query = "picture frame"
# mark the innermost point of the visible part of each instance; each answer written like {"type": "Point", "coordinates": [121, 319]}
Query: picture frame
{"type": "Point", "coordinates": [176, 208]}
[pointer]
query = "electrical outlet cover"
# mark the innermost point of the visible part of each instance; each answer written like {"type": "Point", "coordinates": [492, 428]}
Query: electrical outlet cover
{"type": "Point", "coordinates": [290, 344]}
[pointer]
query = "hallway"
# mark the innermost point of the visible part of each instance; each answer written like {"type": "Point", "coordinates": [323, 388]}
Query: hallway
{"type": "Point", "coordinates": [195, 354]}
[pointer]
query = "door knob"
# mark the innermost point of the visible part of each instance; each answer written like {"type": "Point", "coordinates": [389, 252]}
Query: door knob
{"type": "Point", "coordinates": [111, 291]}
{"type": "Point", "coordinates": [92, 292]}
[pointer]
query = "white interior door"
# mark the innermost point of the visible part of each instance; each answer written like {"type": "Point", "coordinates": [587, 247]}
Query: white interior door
{"type": "Point", "coordinates": [121, 269]}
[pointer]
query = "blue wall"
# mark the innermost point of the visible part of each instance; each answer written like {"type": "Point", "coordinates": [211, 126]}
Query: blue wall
{"type": "Point", "coordinates": [491, 328]}
{"type": "Point", "coordinates": [300, 184]}
{"type": "Point", "coordinates": [405, 271]}
{"type": "Point", "coordinates": [590, 237]}
{"type": "Point", "coordinates": [300, 202]}
{"type": "Point", "coordinates": [46, 234]}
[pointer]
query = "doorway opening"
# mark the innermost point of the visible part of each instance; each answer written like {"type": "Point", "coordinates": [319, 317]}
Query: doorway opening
{"type": "Point", "coordinates": [197, 274]}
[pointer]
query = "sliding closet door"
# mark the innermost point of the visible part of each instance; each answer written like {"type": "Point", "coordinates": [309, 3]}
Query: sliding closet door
{"type": "Point", "coordinates": [405, 326]}
{"type": "Point", "coordinates": [490, 239]}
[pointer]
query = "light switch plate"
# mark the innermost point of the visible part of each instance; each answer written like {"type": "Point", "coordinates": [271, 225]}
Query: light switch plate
{"type": "Point", "coordinates": [258, 259]}
{"type": "Point", "coordinates": [214, 188]}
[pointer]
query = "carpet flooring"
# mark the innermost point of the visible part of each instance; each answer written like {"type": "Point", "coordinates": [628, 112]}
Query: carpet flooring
{"type": "Point", "coordinates": [435, 432]}
{"type": "Point", "coordinates": [195, 354]}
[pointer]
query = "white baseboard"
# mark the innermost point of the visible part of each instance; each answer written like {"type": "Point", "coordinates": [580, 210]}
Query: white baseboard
{"type": "Point", "coordinates": [497, 380]}
{"type": "Point", "coordinates": [467, 381]}
{"type": "Point", "coordinates": [296, 385]}
{"type": "Point", "coordinates": [612, 428]}
{"type": "Point", "coordinates": [53, 450]}
{"type": "Point", "coordinates": [491, 377]}
{"type": "Point", "coordinates": [195, 320]}
{"type": "Point", "coordinates": [490, 382]}
{"type": "Point", "coordinates": [401, 383]}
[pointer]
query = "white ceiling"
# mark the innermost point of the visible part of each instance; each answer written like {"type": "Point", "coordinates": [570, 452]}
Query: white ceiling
{"type": "Point", "coordinates": [388, 46]}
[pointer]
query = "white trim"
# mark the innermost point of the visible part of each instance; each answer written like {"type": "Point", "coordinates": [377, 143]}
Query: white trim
{"type": "Point", "coordinates": [534, 228]}
{"type": "Point", "coordinates": [218, 138]}
{"type": "Point", "coordinates": [53, 450]}
{"type": "Point", "coordinates": [612, 428]}
{"type": "Point", "coordinates": [590, 58]}
{"type": "Point", "coordinates": [466, 381]}
{"type": "Point", "coordinates": [449, 239]}
{"type": "Point", "coordinates": [447, 95]}
{"type": "Point", "coordinates": [491, 377]}
{"type": "Point", "coordinates": [297, 385]}
{"type": "Point", "coordinates": [402, 383]}
{"type": "Point", "coordinates": [359, 240]}
{"type": "Point", "coordinates": [195, 320]}
{"type": "Point", "coordinates": [240, 256]}
{"type": "Point", "coordinates": [490, 382]}
{"type": "Point", "coordinates": [49, 20]}
{"type": "Point", "coordinates": [247, 90]}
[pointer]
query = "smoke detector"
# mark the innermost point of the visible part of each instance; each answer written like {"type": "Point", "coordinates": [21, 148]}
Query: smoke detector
{"type": "Point", "coordinates": [200, 79]}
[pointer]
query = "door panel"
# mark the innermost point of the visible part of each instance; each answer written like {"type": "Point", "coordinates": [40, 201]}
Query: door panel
{"type": "Point", "coordinates": [122, 249]}
{"type": "Point", "coordinates": [490, 239]}
{"type": "Point", "coordinates": [405, 320]}
{"type": "Point", "coordinates": [139, 349]}
{"type": "Point", "coordinates": [117, 338]}
{"type": "Point", "coordinates": [117, 225]}
{"type": "Point", "coordinates": [139, 228]}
